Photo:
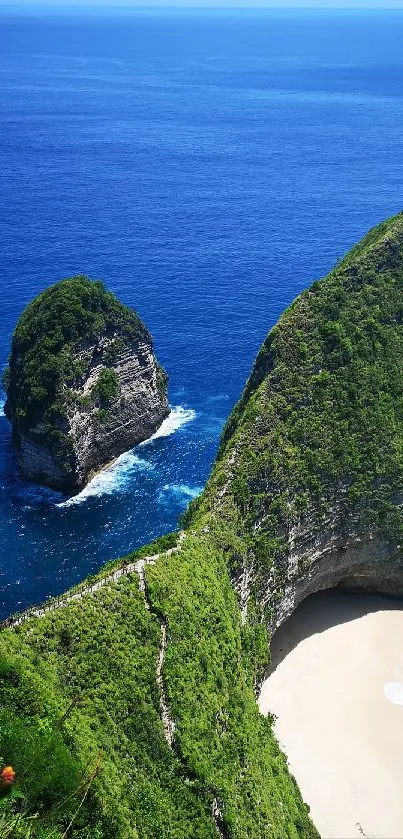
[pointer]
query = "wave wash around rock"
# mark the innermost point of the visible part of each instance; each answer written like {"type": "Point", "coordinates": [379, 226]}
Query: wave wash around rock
{"type": "Point", "coordinates": [129, 711]}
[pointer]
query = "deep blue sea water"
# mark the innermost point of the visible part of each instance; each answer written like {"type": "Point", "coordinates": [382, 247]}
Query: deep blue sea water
{"type": "Point", "coordinates": [208, 167]}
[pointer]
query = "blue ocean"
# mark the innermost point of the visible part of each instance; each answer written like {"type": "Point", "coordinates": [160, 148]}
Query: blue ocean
{"type": "Point", "coordinates": [208, 166]}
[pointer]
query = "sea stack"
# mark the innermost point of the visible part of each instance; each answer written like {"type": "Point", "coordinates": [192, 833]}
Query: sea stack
{"type": "Point", "coordinates": [83, 384]}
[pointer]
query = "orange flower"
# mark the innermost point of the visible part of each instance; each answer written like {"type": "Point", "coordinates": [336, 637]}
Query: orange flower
{"type": "Point", "coordinates": [7, 777]}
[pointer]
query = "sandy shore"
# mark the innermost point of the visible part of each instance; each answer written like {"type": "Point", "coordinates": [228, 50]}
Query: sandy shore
{"type": "Point", "coordinates": [337, 691]}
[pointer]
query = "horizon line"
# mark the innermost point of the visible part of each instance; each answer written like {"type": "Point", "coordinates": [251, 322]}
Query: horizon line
{"type": "Point", "coordinates": [342, 5]}
{"type": "Point", "coordinates": [183, 7]}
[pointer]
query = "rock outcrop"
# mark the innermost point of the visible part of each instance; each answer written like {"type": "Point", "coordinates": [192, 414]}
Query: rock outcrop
{"type": "Point", "coordinates": [342, 553]}
{"type": "Point", "coordinates": [83, 384]}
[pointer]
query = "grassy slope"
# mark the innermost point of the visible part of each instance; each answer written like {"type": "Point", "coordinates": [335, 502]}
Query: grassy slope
{"type": "Point", "coordinates": [102, 653]}
{"type": "Point", "coordinates": [323, 406]}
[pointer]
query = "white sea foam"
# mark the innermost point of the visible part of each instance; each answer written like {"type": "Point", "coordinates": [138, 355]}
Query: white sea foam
{"type": "Point", "coordinates": [2, 404]}
{"type": "Point", "coordinates": [113, 478]}
{"type": "Point", "coordinates": [117, 477]}
{"type": "Point", "coordinates": [179, 416]}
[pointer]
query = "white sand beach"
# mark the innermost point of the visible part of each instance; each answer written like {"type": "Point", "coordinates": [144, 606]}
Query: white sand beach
{"type": "Point", "coordinates": [337, 691]}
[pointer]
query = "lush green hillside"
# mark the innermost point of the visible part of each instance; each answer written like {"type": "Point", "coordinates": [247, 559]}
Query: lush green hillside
{"type": "Point", "coordinates": [96, 660]}
{"type": "Point", "coordinates": [322, 409]}
{"type": "Point", "coordinates": [321, 413]}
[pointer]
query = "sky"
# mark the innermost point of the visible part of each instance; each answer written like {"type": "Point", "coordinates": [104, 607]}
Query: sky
{"type": "Point", "coordinates": [322, 4]}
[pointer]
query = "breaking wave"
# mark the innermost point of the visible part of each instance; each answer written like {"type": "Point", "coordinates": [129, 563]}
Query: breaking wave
{"type": "Point", "coordinates": [114, 477]}
{"type": "Point", "coordinates": [117, 476]}
{"type": "Point", "coordinates": [179, 416]}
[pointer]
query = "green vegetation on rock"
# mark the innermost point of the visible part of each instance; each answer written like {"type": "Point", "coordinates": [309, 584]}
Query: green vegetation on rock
{"type": "Point", "coordinates": [67, 350]}
{"type": "Point", "coordinates": [320, 415]}
{"type": "Point", "coordinates": [107, 386]}
{"type": "Point", "coordinates": [48, 332]}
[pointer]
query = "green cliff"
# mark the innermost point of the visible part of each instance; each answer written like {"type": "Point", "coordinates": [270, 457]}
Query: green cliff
{"type": "Point", "coordinates": [128, 707]}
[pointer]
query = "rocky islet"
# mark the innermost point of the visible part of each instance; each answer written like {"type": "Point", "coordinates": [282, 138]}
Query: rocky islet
{"type": "Point", "coordinates": [83, 383]}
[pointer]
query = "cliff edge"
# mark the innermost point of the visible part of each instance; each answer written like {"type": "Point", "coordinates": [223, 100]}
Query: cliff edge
{"type": "Point", "coordinates": [83, 384]}
{"type": "Point", "coordinates": [310, 469]}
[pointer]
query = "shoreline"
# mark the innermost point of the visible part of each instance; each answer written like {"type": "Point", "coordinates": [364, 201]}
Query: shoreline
{"type": "Point", "coordinates": [111, 463]}
{"type": "Point", "coordinates": [336, 690]}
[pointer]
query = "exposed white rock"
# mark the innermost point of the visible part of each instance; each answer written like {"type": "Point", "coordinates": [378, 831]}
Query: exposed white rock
{"type": "Point", "coordinates": [341, 551]}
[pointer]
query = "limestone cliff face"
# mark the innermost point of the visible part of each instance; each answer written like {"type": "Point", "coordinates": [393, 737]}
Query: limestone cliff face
{"type": "Point", "coordinates": [342, 552]}
{"type": "Point", "coordinates": [108, 394]}
{"type": "Point", "coordinates": [307, 490]}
